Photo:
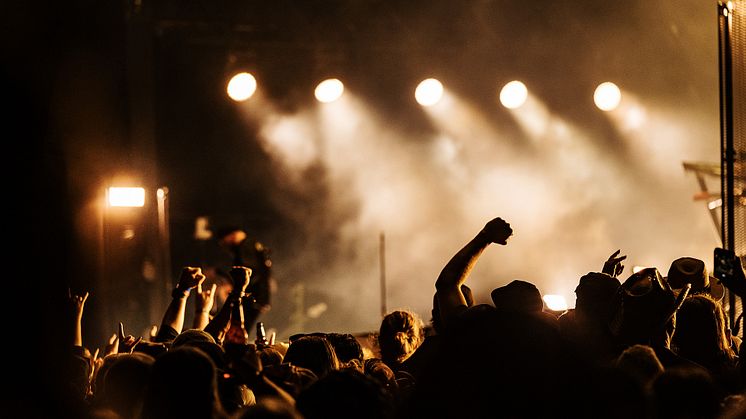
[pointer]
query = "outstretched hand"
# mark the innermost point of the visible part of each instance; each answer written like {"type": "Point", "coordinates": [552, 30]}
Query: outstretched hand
{"type": "Point", "coordinates": [77, 302]}
{"type": "Point", "coordinates": [497, 231]}
{"type": "Point", "coordinates": [205, 299]}
{"type": "Point", "coordinates": [613, 265]}
{"type": "Point", "coordinates": [126, 343]}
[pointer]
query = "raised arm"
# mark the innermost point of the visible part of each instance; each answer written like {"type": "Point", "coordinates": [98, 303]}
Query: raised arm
{"type": "Point", "coordinates": [77, 303]}
{"type": "Point", "coordinates": [218, 326]}
{"type": "Point", "coordinates": [454, 274]}
{"type": "Point", "coordinates": [204, 301]}
{"type": "Point", "coordinates": [173, 318]}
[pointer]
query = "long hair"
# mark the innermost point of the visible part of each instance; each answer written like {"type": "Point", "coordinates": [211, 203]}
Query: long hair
{"type": "Point", "coordinates": [400, 334]}
{"type": "Point", "coordinates": [701, 331]}
{"type": "Point", "coordinates": [314, 353]}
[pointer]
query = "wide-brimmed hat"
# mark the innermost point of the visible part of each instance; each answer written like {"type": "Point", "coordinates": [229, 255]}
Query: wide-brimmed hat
{"type": "Point", "coordinates": [522, 298]}
{"type": "Point", "coordinates": [518, 296]}
{"type": "Point", "coordinates": [689, 270]}
{"type": "Point", "coordinates": [643, 306]}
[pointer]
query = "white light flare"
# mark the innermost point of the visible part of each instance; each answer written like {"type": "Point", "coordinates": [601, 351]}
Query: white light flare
{"type": "Point", "coordinates": [555, 302]}
{"type": "Point", "coordinates": [513, 95]}
{"type": "Point", "coordinates": [126, 197]}
{"type": "Point", "coordinates": [607, 96]}
{"type": "Point", "coordinates": [241, 87]}
{"type": "Point", "coordinates": [329, 90]}
{"type": "Point", "coordinates": [428, 92]}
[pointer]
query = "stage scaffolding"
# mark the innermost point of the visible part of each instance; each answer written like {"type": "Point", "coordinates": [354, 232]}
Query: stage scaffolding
{"type": "Point", "coordinates": [722, 186]}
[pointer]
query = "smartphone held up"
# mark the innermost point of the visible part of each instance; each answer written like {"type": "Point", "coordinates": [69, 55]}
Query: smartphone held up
{"type": "Point", "coordinates": [725, 264]}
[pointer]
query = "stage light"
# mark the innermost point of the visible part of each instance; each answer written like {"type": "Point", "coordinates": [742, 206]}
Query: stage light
{"type": "Point", "coordinates": [428, 92]}
{"type": "Point", "coordinates": [555, 302]}
{"type": "Point", "coordinates": [329, 90]}
{"type": "Point", "coordinates": [241, 87]}
{"type": "Point", "coordinates": [607, 96]}
{"type": "Point", "coordinates": [126, 197]}
{"type": "Point", "coordinates": [513, 95]}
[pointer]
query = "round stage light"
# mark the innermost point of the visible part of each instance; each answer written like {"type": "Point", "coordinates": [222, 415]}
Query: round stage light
{"type": "Point", "coordinates": [607, 96]}
{"type": "Point", "coordinates": [329, 90]}
{"type": "Point", "coordinates": [428, 92]}
{"type": "Point", "coordinates": [513, 95]}
{"type": "Point", "coordinates": [241, 87]}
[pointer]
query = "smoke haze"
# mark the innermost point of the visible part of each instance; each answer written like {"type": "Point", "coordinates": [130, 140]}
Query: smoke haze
{"type": "Point", "coordinates": [574, 182]}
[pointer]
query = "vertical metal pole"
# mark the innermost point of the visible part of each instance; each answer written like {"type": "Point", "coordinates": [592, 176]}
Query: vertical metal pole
{"type": "Point", "coordinates": [164, 246]}
{"type": "Point", "coordinates": [103, 280]}
{"type": "Point", "coordinates": [382, 266]}
{"type": "Point", "coordinates": [727, 145]}
{"type": "Point", "coordinates": [726, 141]}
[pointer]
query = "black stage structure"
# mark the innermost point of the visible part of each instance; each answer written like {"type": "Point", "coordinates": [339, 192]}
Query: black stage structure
{"type": "Point", "coordinates": [732, 63]}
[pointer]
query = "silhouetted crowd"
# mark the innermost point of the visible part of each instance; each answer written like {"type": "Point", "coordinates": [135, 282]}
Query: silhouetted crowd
{"type": "Point", "coordinates": [648, 345]}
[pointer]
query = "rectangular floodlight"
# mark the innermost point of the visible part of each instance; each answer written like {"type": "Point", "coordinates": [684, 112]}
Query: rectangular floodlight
{"type": "Point", "coordinates": [126, 197]}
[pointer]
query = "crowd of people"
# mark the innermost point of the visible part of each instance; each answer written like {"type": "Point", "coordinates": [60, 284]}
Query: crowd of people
{"type": "Point", "coordinates": [652, 344]}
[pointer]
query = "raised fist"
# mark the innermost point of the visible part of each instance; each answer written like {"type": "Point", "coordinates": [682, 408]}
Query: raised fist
{"type": "Point", "coordinates": [190, 278]}
{"type": "Point", "coordinates": [241, 277]}
{"type": "Point", "coordinates": [497, 231]}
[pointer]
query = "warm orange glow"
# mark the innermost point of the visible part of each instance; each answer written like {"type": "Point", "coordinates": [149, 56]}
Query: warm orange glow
{"type": "Point", "coordinates": [555, 302]}
{"type": "Point", "coordinates": [126, 197]}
